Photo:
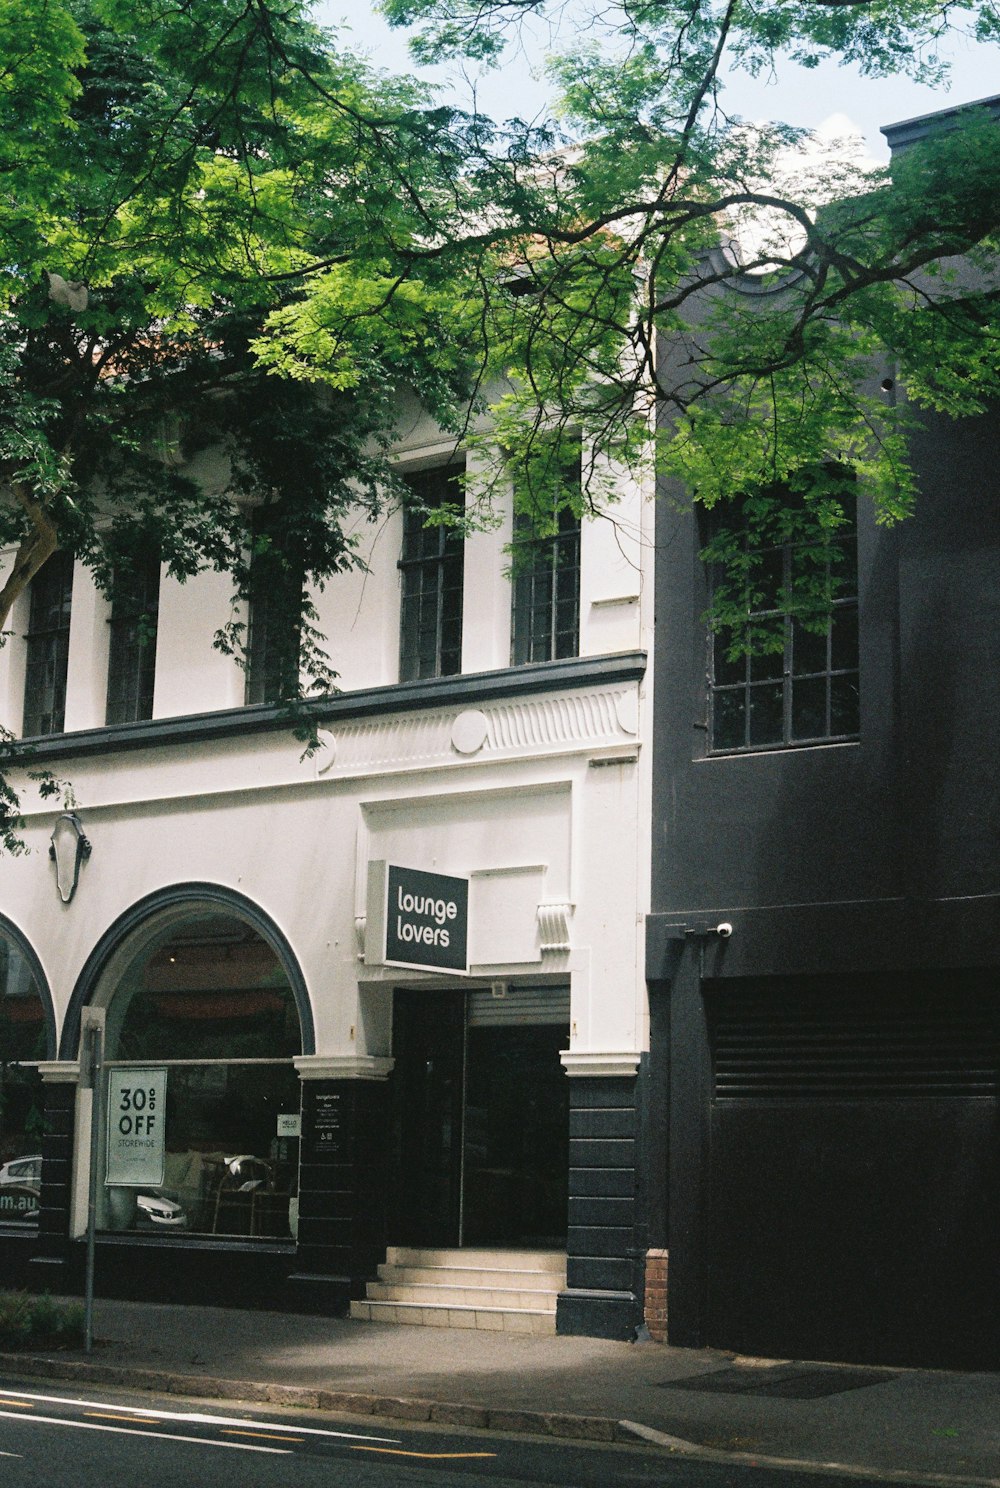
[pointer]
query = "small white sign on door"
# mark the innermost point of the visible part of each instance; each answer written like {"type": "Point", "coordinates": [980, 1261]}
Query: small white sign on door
{"type": "Point", "coordinates": [137, 1100]}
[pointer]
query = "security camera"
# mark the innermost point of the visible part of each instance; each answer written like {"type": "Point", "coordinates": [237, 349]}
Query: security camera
{"type": "Point", "coordinates": [724, 931]}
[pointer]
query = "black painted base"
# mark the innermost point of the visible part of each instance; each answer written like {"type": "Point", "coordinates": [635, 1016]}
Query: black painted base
{"type": "Point", "coordinates": [326, 1296]}
{"type": "Point", "coordinates": [598, 1314]}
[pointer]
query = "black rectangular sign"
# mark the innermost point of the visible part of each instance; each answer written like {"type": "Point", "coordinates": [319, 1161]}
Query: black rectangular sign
{"type": "Point", "coordinates": [426, 919]}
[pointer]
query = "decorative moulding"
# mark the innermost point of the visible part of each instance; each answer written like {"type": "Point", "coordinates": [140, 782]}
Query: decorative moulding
{"type": "Point", "coordinates": [533, 725]}
{"type": "Point", "coordinates": [59, 1071]}
{"type": "Point", "coordinates": [606, 1065]}
{"type": "Point", "coordinates": [553, 927]}
{"type": "Point", "coordinates": [469, 732]}
{"type": "Point", "coordinates": [343, 1067]}
{"type": "Point", "coordinates": [470, 690]}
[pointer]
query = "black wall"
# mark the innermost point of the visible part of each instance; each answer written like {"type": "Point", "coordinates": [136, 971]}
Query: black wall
{"type": "Point", "coordinates": [875, 858]}
{"type": "Point", "coordinates": [910, 812]}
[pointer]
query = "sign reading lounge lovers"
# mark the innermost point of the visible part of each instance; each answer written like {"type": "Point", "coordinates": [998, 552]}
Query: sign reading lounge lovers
{"type": "Point", "coordinates": [416, 918]}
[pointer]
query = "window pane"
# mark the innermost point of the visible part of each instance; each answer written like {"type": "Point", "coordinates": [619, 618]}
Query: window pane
{"type": "Point", "coordinates": [766, 714]}
{"type": "Point", "coordinates": [23, 1036]}
{"type": "Point", "coordinates": [47, 658]}
{"type": "Point", "coordinates": [273, 634]}
{"type": "Point", "coordinates": [729, 719]}
{"type": "Point", "coordinates": [226, 1169]}
{"type": "Point", "coordinates": [766, 666]}
{"type": "Point", "coordinates": [132, 648]}
{"type": "Point", "coordinates": [769, 578]}
{"type": "Point", "coordinates": [809, 650]}
{"type": "Point", "coordinates": [844, 649]}
{"type": "Point", "coordinates": [788, 698]}
{"type": "Point", "coordinates": [809, 708]}
{"type": "Point", "coordinates": [432, 565]}
{"type": "Point", "coordinates": [845, 710]}
{"type": "Point", "coordinates": [546, 593]}
{"type": "Point", "coordinates": [726, 671]}
{"type": "Point", "coordinates": [210, 988]}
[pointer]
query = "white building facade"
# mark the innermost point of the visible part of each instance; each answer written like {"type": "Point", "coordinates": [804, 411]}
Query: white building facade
{"type": "Point", "coordinates": [293, 1099]}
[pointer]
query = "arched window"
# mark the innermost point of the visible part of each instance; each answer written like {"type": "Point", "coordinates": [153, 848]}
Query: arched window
{"type": "Point", "coordinates": [201, 1030]}
{"type": "Point", "coordinates": [23, 1042]}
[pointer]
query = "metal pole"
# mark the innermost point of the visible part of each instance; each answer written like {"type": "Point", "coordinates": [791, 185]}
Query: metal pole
{"type": "Point", "coordinates": [94, 1058]}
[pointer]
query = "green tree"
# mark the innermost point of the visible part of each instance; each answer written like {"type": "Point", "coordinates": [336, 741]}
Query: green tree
{"type": "Point", "coordinates": [656, 210]}
{"type": "Point", "coordinates": [176, 175]}
{"type": "Point", "coordinates": [222, 233]}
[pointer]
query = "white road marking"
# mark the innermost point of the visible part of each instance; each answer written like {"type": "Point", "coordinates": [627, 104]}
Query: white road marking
{"type": "Point", "coordinates": [199, 1441]}
{"type": "Point", "coordinates": [195, 1418]}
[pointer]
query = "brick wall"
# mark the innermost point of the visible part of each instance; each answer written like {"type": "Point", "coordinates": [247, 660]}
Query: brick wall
{"type": "Point", "coordinates": [655, 1313]}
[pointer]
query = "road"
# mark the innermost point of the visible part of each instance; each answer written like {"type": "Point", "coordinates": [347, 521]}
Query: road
{"type": "Point", "coordinates": [80, 1438]}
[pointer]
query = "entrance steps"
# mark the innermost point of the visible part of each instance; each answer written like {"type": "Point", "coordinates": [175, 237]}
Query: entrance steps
{"type": "Point", "coordinates": [504, 1291]}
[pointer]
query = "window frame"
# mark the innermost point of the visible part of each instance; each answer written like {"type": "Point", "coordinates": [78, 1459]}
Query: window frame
{"type": "Point", "coordinates": [132, 627]}
{"type": "Point", "coordinates": [774, 672]}
{"type": "Point", "coordinates": [47, 647]}
{"type": "Point", "coordinates": [271, 670]}
{"type": "Point", "coordinates": [431, 570]}
{"type": "Point", "coordinates": [545, 562]}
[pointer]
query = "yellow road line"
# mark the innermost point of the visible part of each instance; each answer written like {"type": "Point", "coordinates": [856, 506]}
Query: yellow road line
{"type": "Point", "coordinates": [263, 1435]}
{"type": "Point", "coordinates": [20, 1404]}
{"type": "Point", "coordinates": [132, 1420]}
{"type": "Point", "coordinates": [431, 1456]}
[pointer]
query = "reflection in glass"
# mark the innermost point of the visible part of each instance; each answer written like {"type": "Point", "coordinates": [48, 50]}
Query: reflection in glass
{"type": "Point", "coordinates": [212, 994]}
{"type": "Point", "coordinates": [23, 1040]}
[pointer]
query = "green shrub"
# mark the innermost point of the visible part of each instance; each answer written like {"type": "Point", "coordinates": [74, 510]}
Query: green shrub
{"type": "Point", "coordinates": [30, 1322]}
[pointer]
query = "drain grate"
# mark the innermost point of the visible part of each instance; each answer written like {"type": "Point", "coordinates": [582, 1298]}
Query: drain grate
{"type": "Point", "coordinates": [781, 1382]}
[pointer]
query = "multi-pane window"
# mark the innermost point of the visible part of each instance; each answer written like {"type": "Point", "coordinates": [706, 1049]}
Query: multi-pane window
{"type": "Point", "coordinates": [789, 679]}
{"type": "Point", "coordinates": [275, 627]}
{"type": "Point", "coordinates": [48, 647]}
{"type": "Point", "coordinates": [545, 620]}
{"type": "Point", "coordinates": [432, 569]}
{"type": "Point", "coordinates": [132, 647]}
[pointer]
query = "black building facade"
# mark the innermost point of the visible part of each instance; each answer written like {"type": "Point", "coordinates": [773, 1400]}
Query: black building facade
{"type": "Point", "coordinates": [827, 1176]}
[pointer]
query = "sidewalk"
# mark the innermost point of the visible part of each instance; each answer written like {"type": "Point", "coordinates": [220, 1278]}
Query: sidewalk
{"type": "Point", "coordinates": [907, 1425]}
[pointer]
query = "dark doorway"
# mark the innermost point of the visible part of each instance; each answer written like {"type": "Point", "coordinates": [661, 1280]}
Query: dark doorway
{"type": "Point", "coordinates": [480, 1127]}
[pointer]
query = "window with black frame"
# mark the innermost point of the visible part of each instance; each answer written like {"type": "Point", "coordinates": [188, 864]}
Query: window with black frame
{"type": "Point", "coordinates": [206, 1006]}
{"type": "Point", "coordinates": [545, 618]}
{"type": "Point", "coordinates": [132, 644]}
{"type": "Point", "coordinates": [23, 1043]}
{"type": "Point", "coordinates": [47, 659]}
{"type": "Point", "coordinates": [432, 572]}
{"type": "Point", "coordinates": [783, 670]}
{"type": "Point", "coordinates": [274, 631]}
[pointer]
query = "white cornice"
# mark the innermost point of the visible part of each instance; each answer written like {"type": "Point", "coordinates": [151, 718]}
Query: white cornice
{"type": "Point", "coordinates": [343, 1067]}
{"type": "Point", "coordinates": [602, 1064]}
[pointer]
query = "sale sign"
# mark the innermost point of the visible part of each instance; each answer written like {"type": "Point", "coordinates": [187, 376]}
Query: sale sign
{"type": "Point", "coordinates": [137, 1101]}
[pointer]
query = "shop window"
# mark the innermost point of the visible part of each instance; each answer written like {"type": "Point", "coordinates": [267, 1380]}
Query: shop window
{"type": "Point", "coordinates": [206, 1016]}
{"type": "Point", "coordinates": [48, 647]}
{"type": "Point", "coordinates": [432, 568]}
{"type": "Point", "coordinates": [132, 648]}
{"type": "Point", "coordinates": [274, 629]}
{"type": "Point", "coordinates": [22, 1045]}
{"type": "Point", "coordinates": [782, 676]}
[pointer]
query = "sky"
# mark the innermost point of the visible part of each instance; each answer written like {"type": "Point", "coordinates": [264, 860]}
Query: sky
{"type": "Point", "coordinates": [830, 97]}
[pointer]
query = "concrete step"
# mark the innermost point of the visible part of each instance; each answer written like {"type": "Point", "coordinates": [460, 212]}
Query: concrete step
{"type": "Point", "coordinates": [501, 1260]}
{"type": "Point", "coordinates": [471, 1276]}
{"type": "Point", "coordinates": [446, 1295]}
{"type": "Point", "coordinates": [486, 1319]}
{"type": "Point", "coordinates": [512, 1291]}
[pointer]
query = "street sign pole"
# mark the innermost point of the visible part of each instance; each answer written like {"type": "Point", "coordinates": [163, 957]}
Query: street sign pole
{"type": "Point", "coordinates": [92, 1060]}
